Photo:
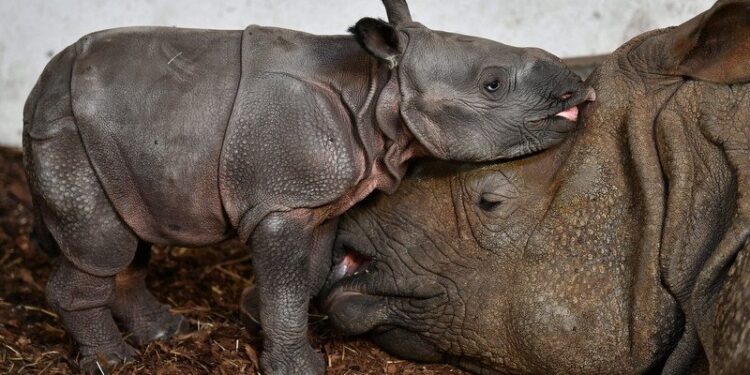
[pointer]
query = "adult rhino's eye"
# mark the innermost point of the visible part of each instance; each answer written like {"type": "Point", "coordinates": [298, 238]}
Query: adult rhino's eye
{"type": "Point", "coordinates": [489, 203]}
{"type": "Point", "coordinates": [492, 86]}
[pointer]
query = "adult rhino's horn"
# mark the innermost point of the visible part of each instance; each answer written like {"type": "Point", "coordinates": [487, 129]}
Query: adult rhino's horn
{"type": "Point", "coordinates": [398, 12]}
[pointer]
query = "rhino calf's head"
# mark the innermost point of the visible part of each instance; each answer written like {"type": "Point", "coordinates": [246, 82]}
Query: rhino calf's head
{"type": "Point", "coordinates": [472, 99]}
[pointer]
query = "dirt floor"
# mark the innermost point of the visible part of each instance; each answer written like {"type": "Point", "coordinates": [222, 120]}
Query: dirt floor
{"type": "Point", "coordinates": [202, 284]}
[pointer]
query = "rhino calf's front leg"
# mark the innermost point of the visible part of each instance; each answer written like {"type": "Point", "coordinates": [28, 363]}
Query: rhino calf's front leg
{"type": "Point", "coordinates": [281, 245]}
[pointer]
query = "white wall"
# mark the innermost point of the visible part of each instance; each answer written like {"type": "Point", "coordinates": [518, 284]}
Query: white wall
{"type": "Point", "coordinates": [31, 31]}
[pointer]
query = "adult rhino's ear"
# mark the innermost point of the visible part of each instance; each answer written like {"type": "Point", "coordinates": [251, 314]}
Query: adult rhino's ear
{"type": "Point", "coordinates": [380, 39]}
{"type": "Point", "coordinates": [715, 46]}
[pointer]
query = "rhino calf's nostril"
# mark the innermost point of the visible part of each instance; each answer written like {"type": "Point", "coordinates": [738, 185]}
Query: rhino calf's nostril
{"type": "Point", "coordinates": [566, 96]}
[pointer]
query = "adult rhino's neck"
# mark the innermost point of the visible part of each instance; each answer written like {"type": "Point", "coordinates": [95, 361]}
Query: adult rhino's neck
{"type": "Point", "coordinates": [606, 217]}
{"type": "Point", "coordinates": [644, 196]}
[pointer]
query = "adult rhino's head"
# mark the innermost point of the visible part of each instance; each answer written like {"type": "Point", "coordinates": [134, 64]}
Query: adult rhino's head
{"type": "Point", "coordinates": [471, 99]}
{"type": "Point", "coordinates": [612, 253]}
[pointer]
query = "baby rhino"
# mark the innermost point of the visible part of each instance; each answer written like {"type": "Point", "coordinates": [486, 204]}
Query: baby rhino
{"type": "Point", "coordinates": [172, 136]}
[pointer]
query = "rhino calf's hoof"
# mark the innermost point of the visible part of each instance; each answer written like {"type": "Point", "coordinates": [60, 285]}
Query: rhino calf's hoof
{"type": "Point", "coordinates": [304, 361]}
{"type": "Point", "coordinates": [102, 361]}
{"type": "Point", "coordinates": [159, 326]}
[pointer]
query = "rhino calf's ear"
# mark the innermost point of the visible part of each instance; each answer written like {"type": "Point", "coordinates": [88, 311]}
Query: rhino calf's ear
{"type": "Point", "coordinates": [715, 46]}
{"type": "Point", "coordinates": [379, 38]}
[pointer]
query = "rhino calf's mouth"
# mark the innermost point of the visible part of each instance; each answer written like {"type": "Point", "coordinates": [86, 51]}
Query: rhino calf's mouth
{"type": "Point", "coordinates": [570, 112]}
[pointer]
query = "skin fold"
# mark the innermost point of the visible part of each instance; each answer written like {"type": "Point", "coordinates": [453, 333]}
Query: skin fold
{"type": "Point", "coordinates": [156, 135]}
{"type": "Point", "coordinates": [623, 250]}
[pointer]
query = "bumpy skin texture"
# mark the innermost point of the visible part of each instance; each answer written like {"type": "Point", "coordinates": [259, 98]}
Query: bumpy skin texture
{"type": "Point", "coordinates": [624, 250]}
{"type": "Point", "coordinates": [188, 137]}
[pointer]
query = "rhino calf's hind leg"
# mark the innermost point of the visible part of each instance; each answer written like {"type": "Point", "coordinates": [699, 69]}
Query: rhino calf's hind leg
{"type": "Point", "coordinates": [75, 215]}
{"type": "Point", "coordinates": [142, 317]}
{"type": "Point", "coordinates": [281, 246]}
{"type": "Point", "coordinates": [82, 301]}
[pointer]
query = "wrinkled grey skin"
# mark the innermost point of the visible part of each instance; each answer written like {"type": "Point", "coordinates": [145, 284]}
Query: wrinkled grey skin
{"type": "Point", "coordinates": [623, 250]}
{"type": "Point", "coordinates": [144, 136]}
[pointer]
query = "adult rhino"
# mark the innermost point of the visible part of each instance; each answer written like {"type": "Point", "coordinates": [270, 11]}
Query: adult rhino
{"type": "Point", "coordinates": [624, 250]}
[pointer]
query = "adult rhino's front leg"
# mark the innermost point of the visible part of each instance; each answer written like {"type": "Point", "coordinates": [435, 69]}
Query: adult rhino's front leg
{"type": "Point", "coordinates": [281, 245]}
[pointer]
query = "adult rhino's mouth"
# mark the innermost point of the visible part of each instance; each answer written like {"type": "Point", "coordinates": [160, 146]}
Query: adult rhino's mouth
{"type": "Point", "coordinates": [347, 277]}
{"type": "Point", "coordinates": [360, 298]}
{"type": "Point", "coordinates": [350, 297]}
{"type": "Point", "coordinates": [355, 296]}
{"type": "Point", "coordinates": [350, 264]}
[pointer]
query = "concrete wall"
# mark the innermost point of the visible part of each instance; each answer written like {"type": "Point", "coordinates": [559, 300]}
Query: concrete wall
{"type": "Point", "coordinates": [32, 31]}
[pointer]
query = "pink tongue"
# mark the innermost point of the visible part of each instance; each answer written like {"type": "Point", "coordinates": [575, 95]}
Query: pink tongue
{"type": "Point", "coordinates": [351, 263]}
{"type": "Point", "coordinates": [569, 114]}
{"type": "Point", "coordinates": [348, 266]}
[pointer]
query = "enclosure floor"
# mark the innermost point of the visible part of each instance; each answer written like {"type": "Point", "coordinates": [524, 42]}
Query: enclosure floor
{"type": "Point", "coordinates": [202, 284]}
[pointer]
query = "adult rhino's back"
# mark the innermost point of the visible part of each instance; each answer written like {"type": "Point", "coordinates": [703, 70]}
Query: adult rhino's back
{"type": "Point", "coordinates": [152, 105]}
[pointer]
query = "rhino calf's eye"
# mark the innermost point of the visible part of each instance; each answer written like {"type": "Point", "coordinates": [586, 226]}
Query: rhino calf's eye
{"type": "Point", "coordinates": [492, 86]}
